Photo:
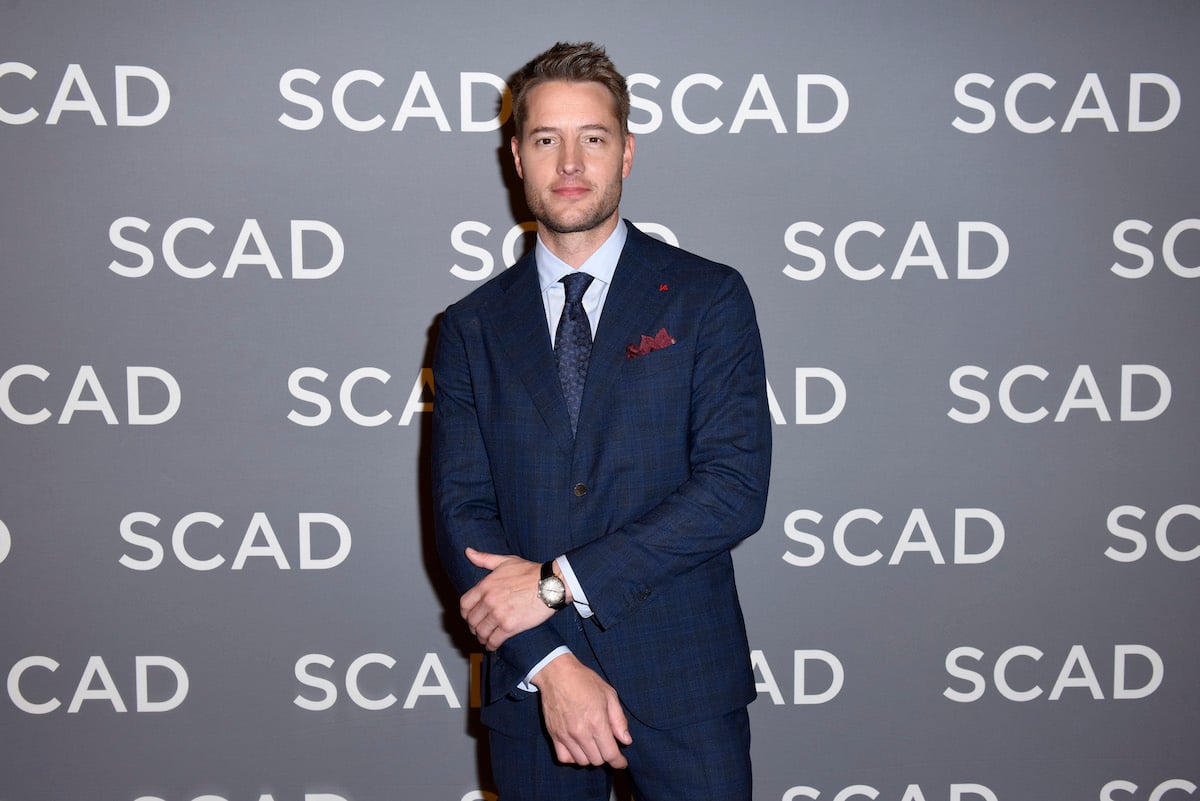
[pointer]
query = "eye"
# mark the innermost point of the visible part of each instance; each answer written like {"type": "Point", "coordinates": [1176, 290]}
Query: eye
{"type": "Point", "coordinates": [544, 140]}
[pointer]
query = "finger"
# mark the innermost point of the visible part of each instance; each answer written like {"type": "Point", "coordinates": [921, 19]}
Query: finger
{"type": "Point", "coordinates": [611, 753]}
{"type": "Point", "coordinates": [475, 615]}
{"type": "Point", "coordinates": [487, 632]}
{"type": "Point", "coordinates": [577, 753]}
{"type": "Point", "coordinates": [563, 753]}
{"type": "Point", "coordinates": [594, 753]}
{"type": "Point", "coordinates": [496, 638]}
{"type": "Point", "coordinates": [469, 600]}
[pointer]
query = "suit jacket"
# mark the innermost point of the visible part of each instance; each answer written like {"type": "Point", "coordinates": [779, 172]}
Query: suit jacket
{"type": "Point", "coordinates": [667, 472]}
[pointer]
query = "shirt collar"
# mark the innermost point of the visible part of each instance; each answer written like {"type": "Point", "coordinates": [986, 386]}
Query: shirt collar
{"type": "Point", "coordinates": [601, 265]}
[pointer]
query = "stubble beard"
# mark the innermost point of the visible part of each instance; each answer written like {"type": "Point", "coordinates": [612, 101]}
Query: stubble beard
{"type": "Point", "coordinates": [606, 206]}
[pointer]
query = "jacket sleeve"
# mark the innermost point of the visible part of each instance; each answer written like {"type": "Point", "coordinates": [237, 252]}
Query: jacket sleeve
{"type": "Point", "coordinates": [723, 499]}
{"type": "Point", "coordinates": [465, 508]}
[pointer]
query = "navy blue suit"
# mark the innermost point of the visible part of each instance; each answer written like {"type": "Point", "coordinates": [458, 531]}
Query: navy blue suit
{"type": "Point", "coordinates": [667, 472]}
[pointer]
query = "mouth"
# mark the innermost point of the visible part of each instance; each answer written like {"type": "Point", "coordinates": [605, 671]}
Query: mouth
{"type": "Point", "coordinates": [570, 191]}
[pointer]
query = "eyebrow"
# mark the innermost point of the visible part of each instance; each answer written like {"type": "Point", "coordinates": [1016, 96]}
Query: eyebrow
{"type": "Point", "coordinates": [593, 126]}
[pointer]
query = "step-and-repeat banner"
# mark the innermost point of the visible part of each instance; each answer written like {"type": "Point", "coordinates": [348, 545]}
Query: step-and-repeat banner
{"type": "Point", "coordinates": [972, 232]}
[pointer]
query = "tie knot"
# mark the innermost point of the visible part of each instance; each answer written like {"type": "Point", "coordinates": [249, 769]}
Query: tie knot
{"type": "Point", "coordinates": [576, 284]}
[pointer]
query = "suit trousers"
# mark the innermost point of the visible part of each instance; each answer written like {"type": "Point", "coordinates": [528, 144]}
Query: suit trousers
{"type": "Point", "coordinates": [708, 760]}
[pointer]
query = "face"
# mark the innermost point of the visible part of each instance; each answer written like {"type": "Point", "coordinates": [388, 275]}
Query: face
{"type": "Point", "coordinates": [572, 156]}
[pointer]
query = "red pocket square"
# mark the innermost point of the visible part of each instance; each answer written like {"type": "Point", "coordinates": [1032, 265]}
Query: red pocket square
{"type": "Point", "coordinates": [650, 344]}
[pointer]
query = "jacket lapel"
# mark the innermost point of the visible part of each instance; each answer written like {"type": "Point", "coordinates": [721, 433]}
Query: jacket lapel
{"type": "Point", "coordinates": [632, 299]}
{"type": "Point", "coordinates": [518, 319]}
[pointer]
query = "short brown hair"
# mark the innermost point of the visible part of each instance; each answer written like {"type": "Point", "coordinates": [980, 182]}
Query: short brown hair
{"type": "Point", "coordinates": [565, 61]}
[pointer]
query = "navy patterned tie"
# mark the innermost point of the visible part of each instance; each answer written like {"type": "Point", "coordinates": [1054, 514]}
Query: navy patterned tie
{"type": "Point", "coordinates": [573, 343]}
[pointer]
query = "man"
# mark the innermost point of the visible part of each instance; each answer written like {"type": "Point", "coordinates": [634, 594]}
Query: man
{"type": "Point", "coordinates": [600, 444]}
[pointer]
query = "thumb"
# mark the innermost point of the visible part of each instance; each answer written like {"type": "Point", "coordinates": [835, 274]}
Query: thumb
{"type": "Point", "coordinates": [482, 558]}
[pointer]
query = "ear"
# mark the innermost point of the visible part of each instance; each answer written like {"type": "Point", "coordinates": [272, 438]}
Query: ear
{"type": "Point", "coordinates": [627, 158]}
{"type": "Point", "coordinates": [516, 151]}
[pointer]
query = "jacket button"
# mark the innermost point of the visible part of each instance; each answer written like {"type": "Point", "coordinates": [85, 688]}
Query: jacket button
{"type": "Point", "coordinates": [580, 490]}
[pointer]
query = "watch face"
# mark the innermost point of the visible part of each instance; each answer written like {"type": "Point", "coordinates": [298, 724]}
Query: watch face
{"type": "Point", "coordinates": [552, 592]}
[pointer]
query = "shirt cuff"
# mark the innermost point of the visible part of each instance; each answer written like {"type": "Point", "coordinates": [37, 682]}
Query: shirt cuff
{"type": "Point", "coordinates": [578, 598]}
{"type": "Point", "coordinates": [527, 685]}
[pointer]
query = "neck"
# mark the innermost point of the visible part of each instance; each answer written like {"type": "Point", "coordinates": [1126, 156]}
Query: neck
{"type": "Point", "coordinates": [578, 246]}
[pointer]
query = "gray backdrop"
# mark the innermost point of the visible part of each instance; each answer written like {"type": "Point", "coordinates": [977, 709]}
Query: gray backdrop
{"type": "Point", "coordinates": [228, 229]}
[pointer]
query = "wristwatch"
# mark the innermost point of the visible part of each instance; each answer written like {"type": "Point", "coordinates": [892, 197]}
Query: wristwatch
{"type": "Point", "coordinates": [551, 590]}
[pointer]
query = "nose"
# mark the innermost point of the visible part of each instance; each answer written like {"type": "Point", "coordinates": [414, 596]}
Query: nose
{"type": "Point", "coordinates": [569, 161]}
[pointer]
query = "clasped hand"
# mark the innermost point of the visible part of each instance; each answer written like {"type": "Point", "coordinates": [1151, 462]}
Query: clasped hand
{"type": "Point", "coordinates": [581, 710]}
{"type": "Point", "coordinates": [504, 603]}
